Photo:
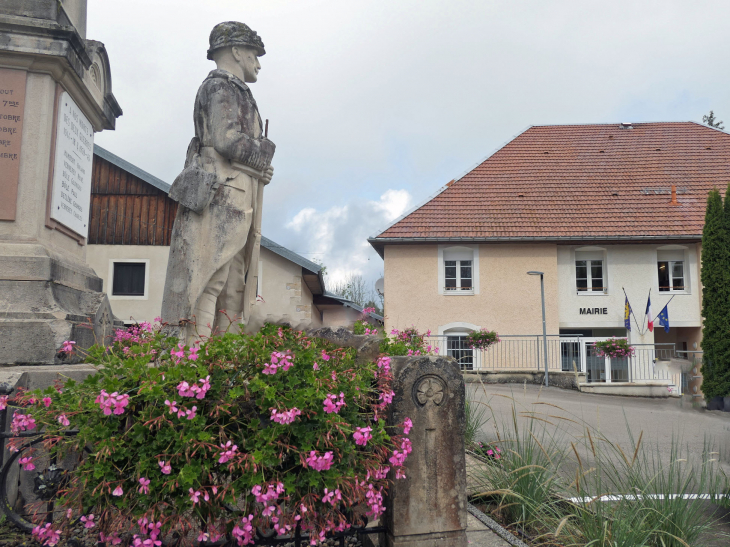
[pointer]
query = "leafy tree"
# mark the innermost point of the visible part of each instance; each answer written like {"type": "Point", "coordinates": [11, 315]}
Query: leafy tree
{"type": "Point", "coordinates": [710, 120]}
{"type": "Point", "coordinates": [716, 297]}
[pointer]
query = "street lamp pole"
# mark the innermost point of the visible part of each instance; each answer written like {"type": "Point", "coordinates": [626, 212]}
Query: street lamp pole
{"type": "Point", "coordinates": [544, 327]}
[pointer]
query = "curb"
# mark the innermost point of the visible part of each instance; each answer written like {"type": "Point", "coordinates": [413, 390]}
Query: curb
{"type": "Point", "coordinates": [495, 527]}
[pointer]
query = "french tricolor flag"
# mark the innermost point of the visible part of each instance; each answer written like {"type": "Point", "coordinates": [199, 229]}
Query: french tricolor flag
{"type": "Point", "coordinates": [650, 321]}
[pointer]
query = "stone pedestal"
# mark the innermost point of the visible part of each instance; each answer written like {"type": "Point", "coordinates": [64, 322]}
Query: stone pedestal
{"type": "Point", "coordinates": [55, 93]}
{"type": "Point", "coordinates": [429, 507]}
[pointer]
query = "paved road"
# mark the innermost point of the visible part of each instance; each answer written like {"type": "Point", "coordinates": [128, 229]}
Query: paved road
{"type": "Point", "coordinates": [659, 419]}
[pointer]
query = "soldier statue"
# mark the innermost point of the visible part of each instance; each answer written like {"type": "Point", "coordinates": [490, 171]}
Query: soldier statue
{"type": "Point", "coordinates": [214, 251]}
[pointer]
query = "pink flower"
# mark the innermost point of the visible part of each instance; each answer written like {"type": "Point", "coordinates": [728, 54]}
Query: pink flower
{"type": "Point", "coordinates": [165, 467]}
{"type": "Point", "coordinates": [47, 401]}
{"type": "Point", "coordinates": [325, 356]}
{"type": "Point", "coordinates": [384, 364]}
{"type": "Point", "coordinates": [22, 422]}
{"type": "Point", "coordinates": [332, 405]}
{"type": "Point", "coordinates": [285, 417]}
{"type": "Point", "coordinates": [193, 355]}
{"type": "Point", "coordinates": [157, 319]}
{"type": "Point", "coordinates": [362, 435]}
{"type": "Point", "coordinates": [269, 368]}
{"type": "Point", "coordinates": [46, 535]}
{"type": "Point", "coordinates": [118, 491]}
{"type": "Point", "coordinates": [191, 413]}
{"type": "Point", "coordinates": [228, 452]}
{"type": "Point", "coordinates": [319, 463]}
{"type": "Point", "coordinates": [179, 353]}
{"type": "Point", "coordinates": [88, 521]}
{"type": "Point", "coordinates": [68, 346]}
{"type": "Point", "coordinates": [171, 405]}
{"type": "Point", "coordinates": [282, 360]}
{"type": "Point", "coordinates": [145, 488]}
{"type": "Point", "coordinates": [3, 402]}
{"type": "Point", "coordinates": [106, 402]}
{"type": "Point", "coordinates": [315, 366]}
{"type": "Point", "coordinates": [63, 420]}
{"type": "Point", "coordinates": [194, 495]}
{"type": "Point", "coordinates": [26, 464]}
{"type": "Point", "coordinates": [407, 426]}
{"type": "Point", "coordinates": [332, 497]}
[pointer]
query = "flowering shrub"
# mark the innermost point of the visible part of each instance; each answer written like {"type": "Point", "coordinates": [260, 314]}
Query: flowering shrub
{"type": "Point", "coordinates": [407, 342]}
{"type": "Point", "coordinates": [362, 326]}
{"type": "Point", "coordinates": [275, 431]}
{"type": "Point", "coordinates": [482, 339]}
{"type": "Point", "coordinates": [613, 348]}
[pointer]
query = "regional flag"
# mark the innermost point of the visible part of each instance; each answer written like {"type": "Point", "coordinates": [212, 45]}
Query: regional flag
{"type": "Point", "coordinates": [627, 315]}
{"type": "Point", "coordinates": [663, 318]}
{"type": "Point", "coordinates": [650, 323]}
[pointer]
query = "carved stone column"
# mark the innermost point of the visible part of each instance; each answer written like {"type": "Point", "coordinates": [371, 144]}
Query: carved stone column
{"type": "Point", "coordinates": [429, 508]}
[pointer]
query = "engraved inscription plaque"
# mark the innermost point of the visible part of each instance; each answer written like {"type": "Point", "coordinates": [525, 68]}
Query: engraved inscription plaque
{"type": "Point", "coordinates": [72, 167]}
{"type": "Point", "coordinates": [12, 101]}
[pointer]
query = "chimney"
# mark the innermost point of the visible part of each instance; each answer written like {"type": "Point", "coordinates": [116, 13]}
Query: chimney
{"type": "Point", "coordinates": [674, 196]}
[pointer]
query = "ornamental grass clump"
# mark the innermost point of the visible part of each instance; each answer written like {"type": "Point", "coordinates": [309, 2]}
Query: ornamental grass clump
{"type": "Point", "coordinates": [614, 348]}
{"type": "Point", "coordinates": [272, 431]}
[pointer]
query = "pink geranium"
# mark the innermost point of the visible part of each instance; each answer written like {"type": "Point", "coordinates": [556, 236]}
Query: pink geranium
{"type": "Point", "coordinates": [145, 485]}
{"type": "Point", "coordinates": [286, 416]}
{"type": "Point", "coordinates": [26, 463]}
{"type": "Point", "coordinates": [165, 467]}
{"type": "Point", "coordinates": [362, 435]}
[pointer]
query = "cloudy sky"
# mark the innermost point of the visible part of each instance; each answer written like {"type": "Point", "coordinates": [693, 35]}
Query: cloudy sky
{"type": "Point", "coordinates": [375, 104]}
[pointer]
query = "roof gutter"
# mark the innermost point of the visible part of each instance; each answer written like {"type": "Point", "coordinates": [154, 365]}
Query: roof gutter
{"type": "Point", "coordinates": [378, 243]}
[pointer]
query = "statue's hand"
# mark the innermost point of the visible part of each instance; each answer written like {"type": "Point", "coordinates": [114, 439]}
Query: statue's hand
{"type": "Point", "coordinates": [266, 179]}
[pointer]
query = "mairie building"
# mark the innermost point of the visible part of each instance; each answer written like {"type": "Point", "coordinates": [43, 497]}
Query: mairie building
{"type": "Point", "coordinates": [607, 213]}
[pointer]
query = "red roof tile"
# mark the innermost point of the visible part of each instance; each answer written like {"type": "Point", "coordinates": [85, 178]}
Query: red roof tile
{"type": "Point", "coordinates": [581, 181]}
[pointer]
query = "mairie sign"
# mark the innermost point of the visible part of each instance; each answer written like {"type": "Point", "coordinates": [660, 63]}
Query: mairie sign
{"type": "Point", "coordinates": [593, 311]}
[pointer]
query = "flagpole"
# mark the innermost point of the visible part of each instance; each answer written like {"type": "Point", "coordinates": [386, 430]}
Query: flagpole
{"type": "Point", "coordinates": [642, 321]}
{"type": "Point", "coordinates": [632, 310]}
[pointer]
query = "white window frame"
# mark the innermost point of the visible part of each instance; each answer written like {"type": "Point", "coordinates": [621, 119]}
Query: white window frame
{"type": "Point", "coordinates": [670, 265]}
{"type": "Point", "coordinates": [672, 254]}
{"type": "Point", "coordinates": [110, 286]}
{"type": "Point", "coordinates": [458, 253]}
{"type": "Point", "coordinates": [589, 255]}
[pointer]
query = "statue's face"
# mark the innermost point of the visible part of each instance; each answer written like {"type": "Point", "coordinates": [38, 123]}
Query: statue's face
{"type": "Point", "coordinates": [249, 62]}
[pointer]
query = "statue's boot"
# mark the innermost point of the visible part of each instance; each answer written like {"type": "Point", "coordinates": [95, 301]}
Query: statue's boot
{"type": "Point", "coordinates": [204, 318]}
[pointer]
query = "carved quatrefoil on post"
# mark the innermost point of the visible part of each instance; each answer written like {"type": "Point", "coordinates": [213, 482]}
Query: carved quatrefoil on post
{"type": "Point", "coordinates": [430, 388]}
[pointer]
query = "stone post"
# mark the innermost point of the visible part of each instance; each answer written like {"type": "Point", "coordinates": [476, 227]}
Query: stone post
{"type": "Point", "coordinates": [429, 508]}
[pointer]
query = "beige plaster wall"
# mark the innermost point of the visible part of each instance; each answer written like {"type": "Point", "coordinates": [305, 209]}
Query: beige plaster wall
{"type": "Point", "coordinates": [286, 296]}
{"type": "Point", "coordinates": [508, 299]}
{"type": "Point", "coordinates": [136, 308]}
{"type": "Point", "coordinates": [340, 316]}
{"type": "Point", "coordinates": [632, 268]}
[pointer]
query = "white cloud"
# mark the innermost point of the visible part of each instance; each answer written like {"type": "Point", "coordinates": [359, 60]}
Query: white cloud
{"type": "Point", "coordinates": [337, 236]}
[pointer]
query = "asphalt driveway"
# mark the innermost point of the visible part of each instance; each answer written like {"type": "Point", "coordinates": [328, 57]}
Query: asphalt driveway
{"type": "Point", "coordinates": [659, 419]}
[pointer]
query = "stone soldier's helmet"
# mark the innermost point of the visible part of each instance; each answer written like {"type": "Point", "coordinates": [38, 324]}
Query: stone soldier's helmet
{"type": "Point", "coordinates": [233, 33]}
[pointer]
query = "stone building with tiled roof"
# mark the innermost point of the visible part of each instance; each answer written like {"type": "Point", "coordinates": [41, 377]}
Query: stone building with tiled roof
{"type": "Point", "coordinates": [603, 210]}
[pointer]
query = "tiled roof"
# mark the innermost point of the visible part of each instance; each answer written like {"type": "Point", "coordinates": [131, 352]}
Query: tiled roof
{"type": "Point", "coordinates": [591, 182]}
